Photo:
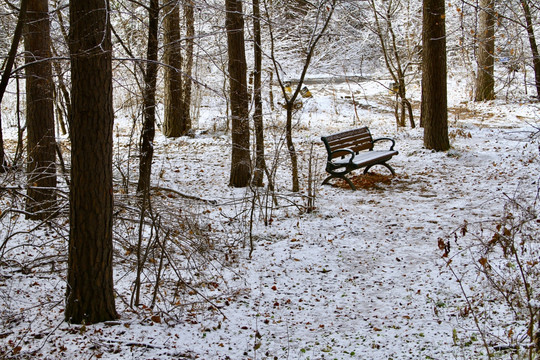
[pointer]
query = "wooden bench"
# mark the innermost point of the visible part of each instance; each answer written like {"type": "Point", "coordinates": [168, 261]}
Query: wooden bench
{"type": "Point", "coordinates": [347, 152]}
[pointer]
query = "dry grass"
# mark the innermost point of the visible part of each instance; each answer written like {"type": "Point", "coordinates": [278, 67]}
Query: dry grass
{"type": "Point", "coordinates": [366, 181]}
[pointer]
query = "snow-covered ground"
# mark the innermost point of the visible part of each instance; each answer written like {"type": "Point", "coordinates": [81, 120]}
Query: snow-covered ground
{"type": "Point", "coordinates": [360, 277]}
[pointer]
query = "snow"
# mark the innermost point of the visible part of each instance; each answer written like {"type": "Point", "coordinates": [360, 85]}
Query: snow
{"type": "Point", "coordinates": [361, 277]}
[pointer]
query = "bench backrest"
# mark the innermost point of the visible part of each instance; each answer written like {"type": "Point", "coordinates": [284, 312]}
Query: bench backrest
{"type": "Point", "coordinates": [356, 140]}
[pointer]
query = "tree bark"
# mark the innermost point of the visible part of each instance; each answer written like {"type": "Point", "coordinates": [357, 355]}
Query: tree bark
{"type": "Point", "coordinates": [174, 124]}
{"type": "Point", "coordinates": [90, 293]}
{"type": "Point", "coordinates": [434, 86]}
{"type": "Point", "coordinates": [485, 82]}
{"type": "Point", "coordinates": [41, 167]}
{"type": "Point", "coordinates": [260, 163]}
{"type": "Point", "coordinates": [240, 157]}
{"type": "Point", "coordinates": [188, 69]}
{"type": "Point", "coordinates": [149, 100]}
{"type": "Point", "coordinates": [533, 45]}
{"type": "Point", "coordinates": [290, 146]}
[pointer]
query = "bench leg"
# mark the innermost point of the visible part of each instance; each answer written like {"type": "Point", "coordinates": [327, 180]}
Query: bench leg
{"type": "Point", "coordinates": [353, 188]}
{"type": "Point", "coordinates": [383, 164]}
{"type": "Point", "coordinates": [325, 181]}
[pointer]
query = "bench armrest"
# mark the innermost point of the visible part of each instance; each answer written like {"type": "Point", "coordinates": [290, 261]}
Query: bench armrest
{"type": "Point", "coordinates": [386, 139]}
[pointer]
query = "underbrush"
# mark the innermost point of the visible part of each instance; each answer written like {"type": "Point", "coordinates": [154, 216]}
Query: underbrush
{"type": "Point", "coordinates": [497, 268]}
{"type": "Point", "coordinates": [171, 264]}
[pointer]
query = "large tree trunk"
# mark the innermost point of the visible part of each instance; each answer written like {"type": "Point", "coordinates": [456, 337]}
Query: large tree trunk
{"type": "Point", "coordinates": [149, 100]}
{"type": "Point", "coordinates": [533, 45]}
{"type": "Point", "coordinates": [485, 82]}
{"type": "Point", "coordinates": [7, 73]}
{"type": "Point", "coordinates": [90, 292]}
{"type": "Point", "coordinates": [41, 168]}
{"type": "Point", "coordinates": [174, 124]}
{"type": "Point", "coordinates": [434, 95]}
{"type": "Point", "coordinates": [260, 163]}
{"type": "Point", "coordinates": [241, 161]}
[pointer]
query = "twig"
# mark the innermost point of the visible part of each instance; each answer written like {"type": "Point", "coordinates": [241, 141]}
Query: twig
{"type": "Point", "coordinates": [469, 303]}
{"type": "Point", "coordinates": [192, 197]}
{"type": "Point", "coordinates": [132, 343]}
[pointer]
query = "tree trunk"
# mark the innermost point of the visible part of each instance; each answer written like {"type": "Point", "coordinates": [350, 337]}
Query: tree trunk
{"type": "Point", "coordinates": [400, 95]}
{"type": "Point", "coordinates": [7, 73]}
{"type": "Point", "coordinates": [260, 163]}
{"type": "Point", "coordinates": [3, 163]}
{"type": "Point", "coordinates": [485, 82]}
{"type": "Point", "coordinates": [434, 96]}
{"type": "Point", "coordinates": [41, 168]}
{"type": "Point", "coordinates": [532, 43]}
{"type": "Point", "coordinates": [90, 292]}
{"type": "Point", "coordinates": [241, 161]}
{"type": "Point", "coordinates": [290, 147]}
{"type": "Point", "coordinates": [174, 124]}
{"type": "Point", "coordinates": [188, 69]}
{"type": "Point", "coordinates": [149, 100]}
{"type": "Point", "coordinates": [411, 115]}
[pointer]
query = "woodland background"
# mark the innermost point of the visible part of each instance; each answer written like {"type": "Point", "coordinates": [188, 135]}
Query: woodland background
{"type": "Point", "coordinates": [160, 187]}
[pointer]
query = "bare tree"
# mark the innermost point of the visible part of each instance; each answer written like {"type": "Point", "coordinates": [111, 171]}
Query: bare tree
{"type": "Point", "coordinates": [260, 163]}
{"type": "Point", "coordinates": [90, 290]}
{"type": "Point", "coordinates": [62, 92]}
{"type": "Point", "coordinates": [189, 15]}
{"type": "Point", "coordinates": [238, 94]}
{"type": "Point", "coordinates": [174, 122]}
{"type": "Point", "coordinates": [397, 65]}
{"type": "Point", "coordinates": [149, 100]}
{"type": "Point", "coordinates": [7, 73]}
{"type": "Point", "coordinates": [434, 88]}
{"type": "Point", "coordinates": [323, 14]}
{"type": "Point", "coordinates": [532, 42]}
{"type": "Point", "coordinates": [485, 82]}
{"type": "Point", "coordinates": [41, 168]}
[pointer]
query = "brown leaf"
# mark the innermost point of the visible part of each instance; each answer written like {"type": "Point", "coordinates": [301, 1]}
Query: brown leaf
{"type": "Point", "coordinates": [445, 246]}
{"type": "Point", "coordinates": [483, 261]}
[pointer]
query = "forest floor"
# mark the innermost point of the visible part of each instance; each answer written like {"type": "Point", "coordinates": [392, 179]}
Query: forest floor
{"type": "Point", "coordinates": [361, 276]}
